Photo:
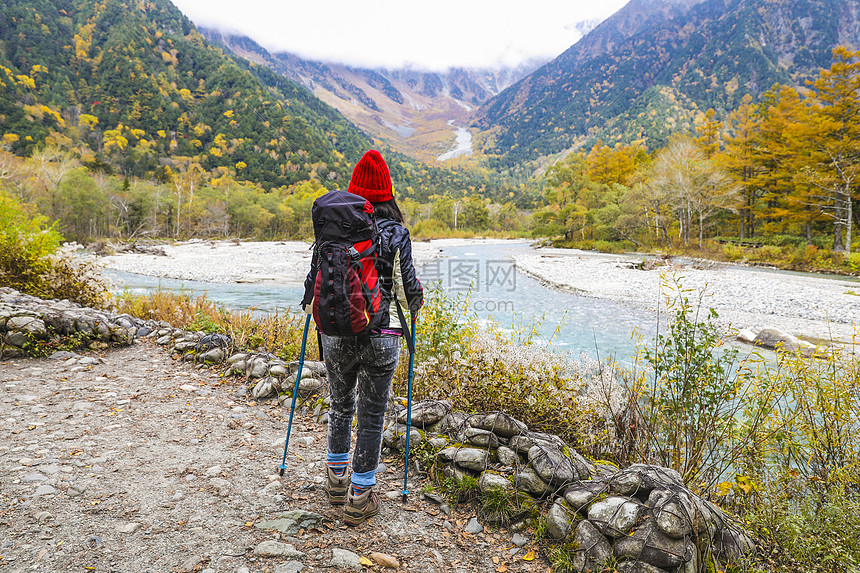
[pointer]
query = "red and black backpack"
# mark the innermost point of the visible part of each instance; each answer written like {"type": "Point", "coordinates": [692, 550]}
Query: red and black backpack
{"type": "Point", "coordinates": [347, 297]}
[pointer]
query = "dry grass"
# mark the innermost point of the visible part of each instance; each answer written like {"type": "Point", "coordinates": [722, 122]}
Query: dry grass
{"type": "Point", "coordinates": [279, 334]}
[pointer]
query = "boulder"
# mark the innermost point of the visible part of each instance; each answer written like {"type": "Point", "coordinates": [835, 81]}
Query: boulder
{"type": "Point", "coordinates": [651, 545]}
{"type": "Point", "coordinates": [426, 413]}
{"type": "Point", "coordinates": [267, 387]}
{"type": "Point", "coordinates": [491, 480]}
{"type": "Point", "coordinates": [776, 339]}
{"type": "Point", "coordinates": [582, 493]}
{"type": "Point", "coordinates": [559, 520]}
{"type": "Point", "coordinates": [474, 459]}
{"type": "Point", "coordinates": [499, 423]}
{"type": "Point", "coordinates": [522, 443]}
{"type": "Point", "coordinates": [615, 516]}
{"type": "Point", "coordinates": [527, 480]}
{"type": "Point", "coordinates": [639, 479]}
{"type": "Point", "coordinates": [553, 466]}
{"type": "Point", "coordinates": [593, 550]}
{"type": "Point", "coordinates": [507, 457]}
{"type": "Point", "coordinates": [746, 335]}
{"type": "Point", "coordinates": [482, 438]}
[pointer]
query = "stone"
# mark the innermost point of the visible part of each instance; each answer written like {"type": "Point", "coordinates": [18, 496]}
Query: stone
{"type": "Point", "coordinates": [593, 550]}
{"type": "Point", "coordinates": [746, 335]}
{"type": "Point", "coordinates": [43, 516]}
{"type": "Point", "coordinates": [164, 340]}
{"type": "Point", "coordinates": [491, 480]}
{"type": "Point", "coordinates": [507, 457]}
{"type": "Point", "coordinates": [482, 438]}
{"type": "Point", "coordinates": [676, 513]}
{"type": "Point", "coordinates": [270, 548]}
{"type": "Point", "coordinates": [213, 471]}
{"type": "Point", "coordinates": [291, 522]}
{"type": "Point", "coordinates": [552, 465]}
{"type": "Point", "coordinates": [214, 356]}
{"type": "Point", "coordinates": [385, 560]}
{"type": "Point", "coordinates": [63, 355]}
{"type": "Point", "coordinates": [345, 559]}
{"type": "Point", "coordinates": [289, 567]}
{"type": "Point", "coordinates": [34, 478]}
{"type": "Point", "coordinates": [240, 357]}
{"type": "Point", "coordinates": [18, 339]}
{"type": "Point", "coordinates": [615, 516]}
{"type": "Point", "coordinates": [257, 368]}
{"type": "Point", "coordinates": [128, 527]}
{"type": "Point", "coordinates": [447, 454]}
{"type": "Point", "coordinates": [527, 480]}
{"type": "Point", "coordinates": [394, 437]}
{"type": "Point", "coordinates": [308, 386]}
{"type": "Point", "coordinates": [559, 519]}
{"type": "Point", "coordinates": [582, 493]}
{"type": "Point", "coordinates": [499, 423]}
{"type": "Point", "coordinates": [519, 540]}
{"type": "Point", "coordinates": [266, 388]}
{"type": "Point", "coordinates": [438, 442]}
{"type": "Point", "coordinates": [639, 479]}
{"type": "Point", "coordinates": [426, 413]}
{"type": "Point", "coordinates": [44, 490]}
{"type": "Point", "coordinates": [651, 545]}
{"type": "Point", "coordinates": [474, 526]}
{"type": "Point", "coordinates": [522, 443]}
{"type": "Point", "coordinates": [472, 459]}
{"type": "Point", "coordinates": [732, 544]}
{"type": "Point", "coordinates": [638, 567]}
{"type": "Point", "coordinates": [776, 339]}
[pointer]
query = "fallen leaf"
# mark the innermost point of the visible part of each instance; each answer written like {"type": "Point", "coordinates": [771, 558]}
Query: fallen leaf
{"type": "Point", "coordinates": [365, 561]}
{"type": "Point", "coordinates": [249, 524]}
{"type": "Point", "coordinates": [495, 559]}
{"type": "Point", "coordinates": [530, 556]}
{"type": "Point", "coordinates": [502, 568]}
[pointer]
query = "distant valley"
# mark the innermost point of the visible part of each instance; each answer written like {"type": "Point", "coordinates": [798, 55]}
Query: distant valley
{"type": "Point", "coordinates": [415, 112]}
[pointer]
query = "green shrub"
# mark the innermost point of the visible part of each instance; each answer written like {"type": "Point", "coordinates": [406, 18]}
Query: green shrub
{"type": "Point", "coordinates": [30, 260]}
{"type": "Point", "coordinates": [688, 397]}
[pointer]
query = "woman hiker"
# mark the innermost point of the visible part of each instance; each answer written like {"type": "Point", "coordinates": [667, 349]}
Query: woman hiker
{"type": "Point", "coordinates": [367, 364]}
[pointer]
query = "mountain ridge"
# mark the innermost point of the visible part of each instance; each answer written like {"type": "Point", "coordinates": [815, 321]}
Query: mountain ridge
{"type": "Point", "coordinates": [673, 62]}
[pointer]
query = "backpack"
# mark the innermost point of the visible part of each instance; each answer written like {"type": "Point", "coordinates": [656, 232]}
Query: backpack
{"type": "Point", "coordinates": [347, 299]}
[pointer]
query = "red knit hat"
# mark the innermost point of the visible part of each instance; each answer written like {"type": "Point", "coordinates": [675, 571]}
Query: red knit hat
{"type": "Point", "coordinates": [371, 179]}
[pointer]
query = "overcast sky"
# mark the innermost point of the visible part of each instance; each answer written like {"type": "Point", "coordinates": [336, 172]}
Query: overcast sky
{"type": "Point", "coordinates": [433, 34]}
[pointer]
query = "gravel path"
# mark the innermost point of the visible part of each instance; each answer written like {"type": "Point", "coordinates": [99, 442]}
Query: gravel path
{"type": "Point", "coordinates": [133, 462]}
{"type": "Point", "coordinates": [745, 297]}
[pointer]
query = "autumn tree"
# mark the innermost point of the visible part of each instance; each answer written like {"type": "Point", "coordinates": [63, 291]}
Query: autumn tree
{"type": "Point", "coordinates": [696, 188]}
{"type": "Point", "coordinates": [833, 132]}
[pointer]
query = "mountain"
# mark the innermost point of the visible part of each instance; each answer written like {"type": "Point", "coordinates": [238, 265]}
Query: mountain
{"type": "Point", "coordinates": [655, 65]}
{"type": "Point", "coordinates": [413, 111]}
{"type": "Point", "coordinates": [133, 87]}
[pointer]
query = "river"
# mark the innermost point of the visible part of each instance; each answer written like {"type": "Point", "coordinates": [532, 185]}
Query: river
{"type": "Point", "coordinates": [485, 279]}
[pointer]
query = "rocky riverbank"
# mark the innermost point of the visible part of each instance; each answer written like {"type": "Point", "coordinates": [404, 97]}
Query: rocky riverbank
{"type": "Point", "coordinates": [816, 308]}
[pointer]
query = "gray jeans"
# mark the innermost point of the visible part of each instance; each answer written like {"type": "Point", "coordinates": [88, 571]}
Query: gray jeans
{"type": "Point", "coordinates": [366, 365]}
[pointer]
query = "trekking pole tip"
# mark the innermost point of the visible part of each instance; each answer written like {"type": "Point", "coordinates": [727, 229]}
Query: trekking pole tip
{"type": "Point", "coordinates": [403, 498]}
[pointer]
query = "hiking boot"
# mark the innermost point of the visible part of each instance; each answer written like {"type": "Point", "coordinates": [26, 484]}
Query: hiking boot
{"type": "Point", "coordinates": [336, 487]}
{"type": "Point", "coordinates": [360, 507]}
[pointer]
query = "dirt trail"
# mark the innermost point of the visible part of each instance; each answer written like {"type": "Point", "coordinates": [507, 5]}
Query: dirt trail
{"type": "Point", "coordinates": [133, 462]}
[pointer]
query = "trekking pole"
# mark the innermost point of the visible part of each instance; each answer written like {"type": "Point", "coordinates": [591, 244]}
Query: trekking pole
{"type": "Point", "coordinates": [405, 491]}
{"type": "Point", "coordinates": [283, 465]}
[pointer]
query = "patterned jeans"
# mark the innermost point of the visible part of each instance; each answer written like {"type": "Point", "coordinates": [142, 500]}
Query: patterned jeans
{"type": "Point", "coordinates": [367, 366]}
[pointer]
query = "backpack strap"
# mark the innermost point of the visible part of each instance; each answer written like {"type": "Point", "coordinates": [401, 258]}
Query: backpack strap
{"type": "Point", "coordinates": [410, 344]}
